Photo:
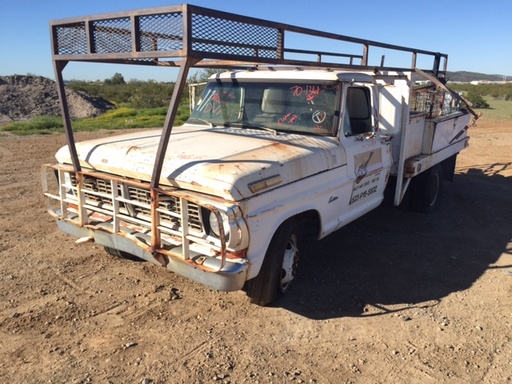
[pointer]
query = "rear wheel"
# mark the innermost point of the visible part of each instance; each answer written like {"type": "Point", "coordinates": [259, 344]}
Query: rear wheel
{"type": "Point", "coordinates": [279, 267]}
{"type": "Point", "coordinates": [449, 167]}
{"type": "Point", "coordinates": [427, 190]}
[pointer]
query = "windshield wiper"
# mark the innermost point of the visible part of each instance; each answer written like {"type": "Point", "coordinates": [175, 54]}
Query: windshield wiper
{"type": "Point", "coordinates": [253, 126]}
{"type": "Point", "coordinates": [209, 123]}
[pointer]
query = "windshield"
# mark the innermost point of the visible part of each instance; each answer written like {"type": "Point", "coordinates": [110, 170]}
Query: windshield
{"type": "Point", "coordinates": [308, 107]}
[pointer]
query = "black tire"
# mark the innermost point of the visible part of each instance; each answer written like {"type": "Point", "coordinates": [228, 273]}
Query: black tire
{"type": "Point", "coordinates": [428, 189]}
{"type": "Point", "coordinates": [279, 267]}
{"type": "Point", "coordinates": [121, 254]}
{"type": "Point", "coordinates": [449, 167]}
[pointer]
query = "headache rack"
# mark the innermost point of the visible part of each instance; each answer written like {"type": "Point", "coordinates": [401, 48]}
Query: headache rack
{"type": "Point", "coordinates": [188, 36]}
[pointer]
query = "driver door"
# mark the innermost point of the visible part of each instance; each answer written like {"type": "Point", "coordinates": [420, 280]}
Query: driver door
{"type": "Point", "coordinates": [368, 153]}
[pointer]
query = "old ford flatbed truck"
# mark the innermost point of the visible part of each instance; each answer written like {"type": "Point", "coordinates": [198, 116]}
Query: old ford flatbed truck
{"type": "Point", "coordinates": [286, 141]}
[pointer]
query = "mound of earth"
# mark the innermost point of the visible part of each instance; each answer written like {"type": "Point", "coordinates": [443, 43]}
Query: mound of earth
{"type": "Point", "coordinates": [26, 97]}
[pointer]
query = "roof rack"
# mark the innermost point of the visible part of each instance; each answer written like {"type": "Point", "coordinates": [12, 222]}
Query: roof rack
{"type": "Point", "coordinates": [187, 36]}
{"type": "Point", "coordinates": [152, 36]}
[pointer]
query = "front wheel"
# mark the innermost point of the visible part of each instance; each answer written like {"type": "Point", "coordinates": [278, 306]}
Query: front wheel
{"type": "Point", "coordinates": [279, 267]}
{"type": "Point", "coordinates": [122, 254]}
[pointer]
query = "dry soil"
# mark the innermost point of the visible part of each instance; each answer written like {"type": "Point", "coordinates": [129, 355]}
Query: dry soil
{"type": "Point", "coordinates": [395, 297]}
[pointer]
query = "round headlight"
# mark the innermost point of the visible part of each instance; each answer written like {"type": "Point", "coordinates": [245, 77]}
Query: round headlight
{"type": "Point", "coordinates": [68, 184]}
{"type": "Point", "coordinates": [214, 224]}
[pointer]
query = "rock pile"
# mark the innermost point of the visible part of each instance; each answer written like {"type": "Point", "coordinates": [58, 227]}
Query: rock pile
{"type": "Point", "coordinates": [26, 97]}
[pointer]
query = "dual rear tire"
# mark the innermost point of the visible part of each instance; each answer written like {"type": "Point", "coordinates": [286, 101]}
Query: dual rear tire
{"type": "Point", "coordinates": [427, 189]}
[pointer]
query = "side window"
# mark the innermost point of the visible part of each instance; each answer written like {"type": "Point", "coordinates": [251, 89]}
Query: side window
{"type": "Point", "coordinates": [358, 116]}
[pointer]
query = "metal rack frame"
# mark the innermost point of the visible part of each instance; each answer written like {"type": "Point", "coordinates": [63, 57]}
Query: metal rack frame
{"type": "Point", "coordinates": [186, 36]}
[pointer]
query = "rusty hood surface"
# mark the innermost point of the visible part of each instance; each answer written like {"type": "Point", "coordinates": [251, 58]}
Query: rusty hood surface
{"type": "Point", "coordinates": [231, 163]}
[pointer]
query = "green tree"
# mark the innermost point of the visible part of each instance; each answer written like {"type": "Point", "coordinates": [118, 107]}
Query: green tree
{"type": "Point", "coordinates": [117, 79]}
{"type": "Point", "coordinates": [150, 94]}
{"type": "Point", "coordinates": [204, 74]}
{"type": "Point", "coordinates": [477, 100]}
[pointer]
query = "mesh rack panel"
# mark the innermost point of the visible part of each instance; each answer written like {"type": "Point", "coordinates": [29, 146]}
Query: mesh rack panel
{"type": "Point", "coordinates": [222, 36]}
{"type": "Point", "coordinates": [161, 32]}
{"type": "Point", "coordinates": [71, 39]}
{"type": "Point", "coordinates": [112, 35]}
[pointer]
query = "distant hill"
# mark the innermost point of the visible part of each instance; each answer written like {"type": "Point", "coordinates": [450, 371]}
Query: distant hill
{"type": "Point", "coordinates": [466, 77]}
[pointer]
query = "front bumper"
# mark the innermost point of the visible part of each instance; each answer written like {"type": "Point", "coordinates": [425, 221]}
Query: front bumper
{"type": "Point", "coordinates": [231, 277]}
{"type": "Point", "coordinates": [164, 226]}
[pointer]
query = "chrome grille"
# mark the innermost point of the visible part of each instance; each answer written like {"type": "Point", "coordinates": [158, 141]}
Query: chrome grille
{"type": "Point", "coordinates": [139, 195]}
{"type": "Point", "coordinates": [135, 202]}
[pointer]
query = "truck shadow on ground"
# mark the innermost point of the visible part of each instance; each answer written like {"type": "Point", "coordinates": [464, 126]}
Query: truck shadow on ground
{"type": "Point", "coordinates": [392, 259]}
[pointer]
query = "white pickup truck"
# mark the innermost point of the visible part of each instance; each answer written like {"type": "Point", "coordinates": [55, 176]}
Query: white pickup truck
{"type": "Point", "coordinates": [267, 155]}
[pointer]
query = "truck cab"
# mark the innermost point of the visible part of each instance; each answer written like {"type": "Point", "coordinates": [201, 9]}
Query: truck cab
{"type": "Point", "coordinates": [337, 112]}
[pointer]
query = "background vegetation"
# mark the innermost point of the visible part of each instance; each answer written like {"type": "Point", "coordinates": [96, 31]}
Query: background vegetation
{"type": "Point", "coordinates": [466, 76]}
{"type": "Point", "coordinates": [480, 94]}
{"type": "Point", "coordinates": [143, 104]}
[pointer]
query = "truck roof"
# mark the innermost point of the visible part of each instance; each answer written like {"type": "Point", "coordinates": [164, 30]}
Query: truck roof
{"type": "Point", "coordinates": [294, 74]}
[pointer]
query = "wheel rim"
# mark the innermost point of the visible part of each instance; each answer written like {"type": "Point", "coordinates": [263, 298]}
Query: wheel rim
{"type": "Point", "coordinates": [434, 189]}
{"type": "Point", "coordinates": [290, 260]}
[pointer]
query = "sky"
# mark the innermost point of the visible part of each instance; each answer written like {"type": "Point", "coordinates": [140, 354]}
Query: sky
{"type": "Point", "coordinates": [476, 35]}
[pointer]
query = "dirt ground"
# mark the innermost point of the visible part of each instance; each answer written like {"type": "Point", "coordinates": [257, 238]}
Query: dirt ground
{"type": "Point", "coordinates": [395, 297]}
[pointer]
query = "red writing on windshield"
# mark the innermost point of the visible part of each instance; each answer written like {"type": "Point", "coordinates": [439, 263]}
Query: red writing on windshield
{"type": "Point", "coordinates": [288, 118]}
{"type": "Point", "coordinates": [219, 100]}
{"type": "Point", "coordinates": [310, 91]}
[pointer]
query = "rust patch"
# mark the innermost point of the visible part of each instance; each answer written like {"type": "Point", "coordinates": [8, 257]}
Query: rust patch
{"type": "Point", "coordinates": [162, 259]}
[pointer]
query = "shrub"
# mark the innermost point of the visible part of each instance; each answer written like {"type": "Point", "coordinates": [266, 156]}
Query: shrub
{"type": "Point", "coordinates": [118, 113]}
{"type": "Point", "coordinates": [41, 125]}
{"type": "Point", "coordinates": [477, 100]}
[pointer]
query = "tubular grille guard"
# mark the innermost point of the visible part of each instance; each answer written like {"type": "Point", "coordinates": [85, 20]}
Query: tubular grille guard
{"type": "Point", "coordinates": [172, 221]}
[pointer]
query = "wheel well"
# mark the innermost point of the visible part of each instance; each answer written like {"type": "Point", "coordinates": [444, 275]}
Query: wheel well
{"type": "Point", "coordinates": [311, 221]}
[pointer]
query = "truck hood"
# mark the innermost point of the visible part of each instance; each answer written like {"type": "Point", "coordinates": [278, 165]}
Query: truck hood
{"type": "Point", "coordinates": [231, 163]}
